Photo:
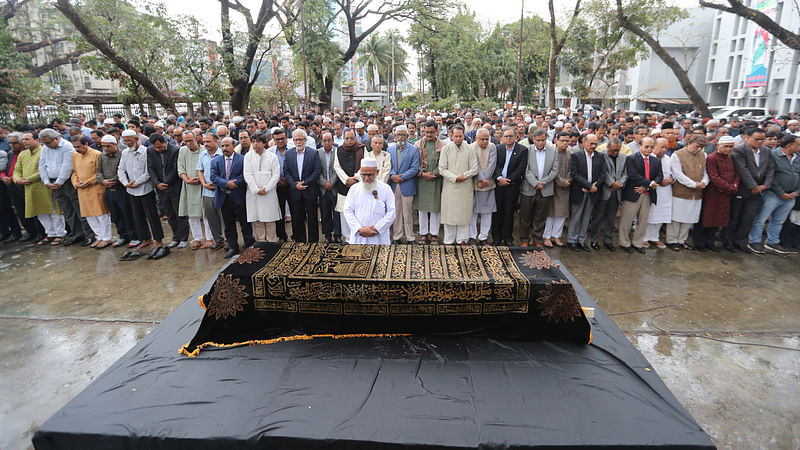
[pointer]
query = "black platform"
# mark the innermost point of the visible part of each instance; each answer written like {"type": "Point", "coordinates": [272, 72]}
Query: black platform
{"type": "Point", "coordinates": [376, 393]}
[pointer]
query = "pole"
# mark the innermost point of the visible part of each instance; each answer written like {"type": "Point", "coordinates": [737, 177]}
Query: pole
{"type": "Point", "coordinates": [519, 61]}
{"type": "Point", "coordinates": [303, 43]}
{"type": "Point", "coordinates": [393, 80]}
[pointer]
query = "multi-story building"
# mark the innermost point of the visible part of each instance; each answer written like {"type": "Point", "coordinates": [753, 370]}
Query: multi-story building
{"type": "Point", "coordinates": [749, 67]}
{"type": "Point", "coordinates": [34, 22]}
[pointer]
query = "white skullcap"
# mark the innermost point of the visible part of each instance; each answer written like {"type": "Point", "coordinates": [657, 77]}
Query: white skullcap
{"type": "Point", "coordinates": [369, 163]}
{"type": "Point", "coordinates": [372, 126]}
{"type": "Point", "coordinates": [726, 140]}
{"type": "Point", "coordinates": [359, 125]}
{"type": "Point", "coordinates": [387, 119]}
{"type": "Point", "coordinates": [109, 138]}
{"type": "Point", "coordinates": [129, 133]}
{"type": "Point", "coordinates": [444, 115]}
{"type": "Point", "coordinates": [108, 121]}
{"type": "Point", "coordinates": [159, 124]}
{"type": "Point", "coordinates": [655, 132]}
{"type": "Point", "coordinates": [527, 119]}
{"type": "Point", "coordinates": [562, 117]}
{"type": "Point", "coordinates": [237, 119]}
{"type": "Point", "coordinates": [559, 124]}
{"type": "Point", "coordinates": [401, 128]}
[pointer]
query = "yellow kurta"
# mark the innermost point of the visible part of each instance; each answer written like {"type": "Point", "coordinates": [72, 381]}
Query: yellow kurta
{"type": "Point", "coordinates": [38, 198]}
{"type": "Point", "coordinates": [84, 168]}
{"type": "Point", "coordinates": [457, 198]}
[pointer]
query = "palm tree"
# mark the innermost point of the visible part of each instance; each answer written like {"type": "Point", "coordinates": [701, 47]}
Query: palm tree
{"type": "Point", "coordinates": [375, 56]}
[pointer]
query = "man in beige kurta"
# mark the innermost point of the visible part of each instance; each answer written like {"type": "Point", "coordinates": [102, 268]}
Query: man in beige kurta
{"type": "Point", "coordinates": [90, 194]}
{"type": "Point", "coordinates": [457, 165]}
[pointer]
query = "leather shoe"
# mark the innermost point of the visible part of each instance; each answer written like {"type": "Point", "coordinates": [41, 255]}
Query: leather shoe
{"type": "Point", "coordinates": [700, 248]}
{"type": "Point", "coordinates": [595, 246]}
{"type": "Point", "coordinates": [161, 252]}
{"type": "Point", "coordinates": [87, 242]}
{"type": "Point", "coordinates": [153, 252]}
{"type": "Point", "coordinates": [73, 240]}
{"type": "Point", "coordinates": [640, 250]}
{"type": "Point", "coordinates": [131, 255]}
{"type": "Point", "coordinates": [584, 247]}
{"type": "Point", "coordinates": [230, 253]}
{"type": "Point", "coordinates": [713, 248]}
{"type": "Point", "coordinates": [611, 247]}
{"type": "Point", "coordinates": [729, 247]}
{"type": "Point", "coordinates": [12, 238]}
{"type": "Point", "coordinates": [32, 237]}
{"type": "Point", "coordinates": [573, 247]}
{"type": "Point", "coordinates": [626, 249]}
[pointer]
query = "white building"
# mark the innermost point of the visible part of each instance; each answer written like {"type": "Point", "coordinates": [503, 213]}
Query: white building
{"type": "Point", "coordinates": [651, 84]}
{"type": "Point", "coordinates": [734, 79]}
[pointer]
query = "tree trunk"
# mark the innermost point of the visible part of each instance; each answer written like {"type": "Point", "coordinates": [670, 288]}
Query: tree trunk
{"type": "Point", "coordinates": [555, 49]}
{"type": "Point", "coordinates": [434, 89]}
{"type": "Point", "coordinates": [73, 16]}
{"type": "Point", "coordinates": [326, 96]}
{"type": "Point", "coordinates": [551, 80]}
{"type": "Point", "coordinates": [680, 73]}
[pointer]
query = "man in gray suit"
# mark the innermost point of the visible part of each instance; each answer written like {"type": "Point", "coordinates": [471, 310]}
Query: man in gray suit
{"type": "Point", "coordinates": [537, 189]}
{"type": "Point", "coordinates": [605, 212]}
{"type": "Point", "coordinates": [331, 222]}
{"type": "Point", "coordinates": [756, 169]}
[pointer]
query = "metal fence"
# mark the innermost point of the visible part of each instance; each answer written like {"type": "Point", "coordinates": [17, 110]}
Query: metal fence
{"type": "Point", "coordinates": [46, 113]}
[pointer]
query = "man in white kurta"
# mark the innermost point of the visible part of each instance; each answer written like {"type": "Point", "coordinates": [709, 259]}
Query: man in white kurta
{"type": "Point", "coordinates": [262, 171]}
{"type": "Point", "coordinates": [369, 208]}
{"type": "Point", "coordinates": [691, 177]}
{"type": "Point", "coordinates": [661, 212]}
{"type": "Point", "coordinates": [457, 165]}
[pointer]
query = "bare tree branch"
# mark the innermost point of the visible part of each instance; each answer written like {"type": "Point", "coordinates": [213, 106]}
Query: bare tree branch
{"type": "Point", "coordinates": [27, 47]}
{"type": "Point", "coordinates": [71, 57]}
{"type": "Point", "coordinates": [792, 40]}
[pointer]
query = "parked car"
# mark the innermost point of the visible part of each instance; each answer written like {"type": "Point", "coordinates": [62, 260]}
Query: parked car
{"type": "Point", "coordinates": [742, 112]}
{"type": "Point", "coordinates": [641, 113]}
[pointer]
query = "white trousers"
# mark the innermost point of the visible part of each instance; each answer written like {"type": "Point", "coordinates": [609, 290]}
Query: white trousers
{"type": "Point", "coordinates": [196, 225]}
{"type": "Point", "coordinates": [345, 227]}
{"type": "Point", "coordinates": [554, 227]}
{"type": "Point", "coordinates": [101, 225]}
{"type": "Point", "coordinates": [652, 233]}
{"type": "Point", "coordinates": [456, 234]}
{"type": "Point", "coordinates": [486, 224]}
{"type": "Point", "coordinates": [53, 224]}
{"type": "Point", "coordinates": [429, 226]}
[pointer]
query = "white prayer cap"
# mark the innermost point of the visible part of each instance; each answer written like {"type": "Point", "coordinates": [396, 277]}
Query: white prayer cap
{"type": "Point", "coordinates": [369, 163]}
{"type": "Point", "coordinates": [419, 117]}
{"type": "Point", "coordinates": [129, 133]}
{"type": "Point", "coordinates": [359, 125]}
{"type": "Point", "coordinates": [444, 115]}
{"type": "Point", "coordinates": [726, 140]}
{"type": "Point", "coordinates": [527, 119]}
{"type": "Point", "coordinates": [655, 132]}
{"type": "Point", "coordinates": [159, 124]}
{"type": "Point", "coordinates": [237, 119]}
{"type": "Point", "coordinates": [401, 128]}
{"type": "Point", "coordinates": [108, 121]}
{"type": "Point", "coordinates": [387, 119]}
{"type": "Point", "coordinates": [562, 117]}
{"type": "Point", "coordinates": [372, 126]}
{"type": "Point", "coordinates": [109, 138]}
{"type": "Point", "coordinates": [559, 124]}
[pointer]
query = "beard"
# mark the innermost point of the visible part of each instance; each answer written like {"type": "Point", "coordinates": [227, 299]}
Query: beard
{"type": "Point", "coordinates": [369, 187]}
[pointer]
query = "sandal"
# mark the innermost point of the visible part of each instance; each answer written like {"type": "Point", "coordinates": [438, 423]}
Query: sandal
{"type": "Point", "coordinates": [207, 244]}
{"type": "Point", "coordinates": [44, 240]}
{"type": "Point", "coordinates": [56, 241]}
{"type": "Point", "coordinates": [422, 240]}
{"type": "Point", "coordinates": [434, 240]}
{"type": "Point", "coordinates": [103, 245]}
{"type": "Point", "coordinates": [195, 245]}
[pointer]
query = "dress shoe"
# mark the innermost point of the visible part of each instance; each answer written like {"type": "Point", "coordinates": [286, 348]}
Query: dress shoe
{"type": "Point", "coordinates": [32, 237]}
{"type": "Point", "coordinates": [713, 248]}
{"type": "Point", "coordinates": [573, 247]}
{"type": "Point", "coordinates": [640, 250]}
{"type": "Point", "coordinates": [337, 239]}
{"type": "Point", "coordinates": [584, 247]}
{"type": "Point", "coordinates": [626, 249]}
{"type": "Point", "coordinates": [131, 255]}
{"type": "Point", "coordinates": [87, 242]}
{"type": "Point", "coordinates": [12, 238]}
{"type": "Point", "coordinates": [119, 242]}
{"type": "Point", "coordinates": [610, 247]}
{"type": "Point", "coordinates": [328, 240]}
{"type": "Point", "coordinates": [595, 246]}
{"type": "Point", "coordinates": [230, 253]}
{"type": "Point", "coordinates": [161, 252]}
{"type": "Point", "coordinates": [153, 252]}
{"type": "Point", "coordinates": [73, 240]}
{"type": "Point", "coordinates": [701, 248]}
{"type": "Point", "coordinates": [729, 247]}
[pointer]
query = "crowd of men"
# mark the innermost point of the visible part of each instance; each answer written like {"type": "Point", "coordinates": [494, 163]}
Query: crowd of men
{"type": "Point", "coordinates": [397, 176]}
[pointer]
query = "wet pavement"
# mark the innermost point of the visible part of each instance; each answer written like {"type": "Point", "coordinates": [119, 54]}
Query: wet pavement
{"type": "Point", "coordinates": [722, 330]}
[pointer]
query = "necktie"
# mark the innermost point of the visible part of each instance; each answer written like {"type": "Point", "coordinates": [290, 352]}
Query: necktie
{"type": "Point", "coordinates": [228, 167]}
{"type": "Point", "coordinates": [647, 168]}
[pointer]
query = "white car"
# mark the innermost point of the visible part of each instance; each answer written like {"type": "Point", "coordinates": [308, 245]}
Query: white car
{"type": "Point", "coordinates": [742, 112]}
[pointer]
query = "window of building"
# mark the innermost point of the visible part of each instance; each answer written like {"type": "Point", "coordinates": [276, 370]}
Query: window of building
{"type": "Point", "coordinates": [735, 24]}
{"type": "Point", "coordinates": [729, 68]}
{"type": "Point", "coordinates": [743, 28]}
{"type": "Point", "coordinates": [714, 49]}
{"type": "Point", "coordinates": [717, 24]}
{"type": "Point", "coordinates": [711, 66]}
{"type": "Point", "coordinates": [733, 46]}
{"type": "Point", "coordinates": [741, 44]}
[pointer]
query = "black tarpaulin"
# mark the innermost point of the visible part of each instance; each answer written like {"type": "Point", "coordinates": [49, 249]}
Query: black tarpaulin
{"type": "Point", "coordinates": [375, 393]}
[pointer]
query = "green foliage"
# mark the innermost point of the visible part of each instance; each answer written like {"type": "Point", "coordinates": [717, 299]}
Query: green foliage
{"type": "Point", "coordinates": [367, 104]}
{"type": "Point", "coordinates": [375, 55]}
{"type": "Point", "coordinates": [323, 55]}
{"type": "Point", "coordinates": [17, 87]}
{"type": "Point", "coordinates": [199, 77]}
{"type": "Point", "coordinates": [282, 94]}
{"type": "Point", "coordinates": [485, 104]}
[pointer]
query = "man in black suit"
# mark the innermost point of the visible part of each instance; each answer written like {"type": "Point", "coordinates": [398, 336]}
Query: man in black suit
{"type": "Point", "coordinates": [755, 167]}
{"type": "Point", "coordinates": [588, 168]}
{"type": "Point", "coordinates": [162, 163]}
{"type": "Point", "coordinates": [227, 174]}
{"type": "Point", "coordinates": [302, 169]}
{"type": "Point", "coordinates": [512, 160]}
{"type": "Point", "coordinates": [644, 176]}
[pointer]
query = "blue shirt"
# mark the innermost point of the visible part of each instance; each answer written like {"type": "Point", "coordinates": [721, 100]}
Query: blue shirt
{"type": "Point", "coordinates": [55, 164]}
{"type": "Point", "coordinates": [280, 156]}
{"type": "Point", "coordinates": [508, 159]}
{"type": "Point", "coordinates": [204, 164]}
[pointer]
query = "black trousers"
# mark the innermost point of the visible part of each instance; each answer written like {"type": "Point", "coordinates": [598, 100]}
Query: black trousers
{"type": "Point", "coordinates": [790, 235]}
{"type": "Point", "coordinates": [145, 211]}
{"type": "Point", "coordinates": [280, 225]}
{"type": "Point", "coordinates": [604, 214]}
{"type": "Point", "coordinates": [331, 221]}
{"type": "Point", "coordinates": [179, 225]}
{"type": "Point", "coordinates": [8, 220]}
{"type": "Point", "coordinates": [121, 214]}
{"type": "Point", "coordinates": [232, 213]}
{"type": "Point", "coordinates": [503, 219]}
{"type": "Point", "coordinates": [67, 198]}
{"type": "Point", "coordinates": [31, 224]}
{"type": "Point", "coordinates": [304, 212]}
{"type": "Point", "coordinates": [743, 213]}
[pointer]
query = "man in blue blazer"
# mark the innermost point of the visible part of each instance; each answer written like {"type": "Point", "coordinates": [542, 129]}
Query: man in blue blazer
{"type": "Point", "coordinates": [302, 169]}
{"type": "Point", "coordinates": [588, 169]}
{"type": "Point", "coordinates": [405, 165]}
{"type": "Point", "coordinates": [227, 174]}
